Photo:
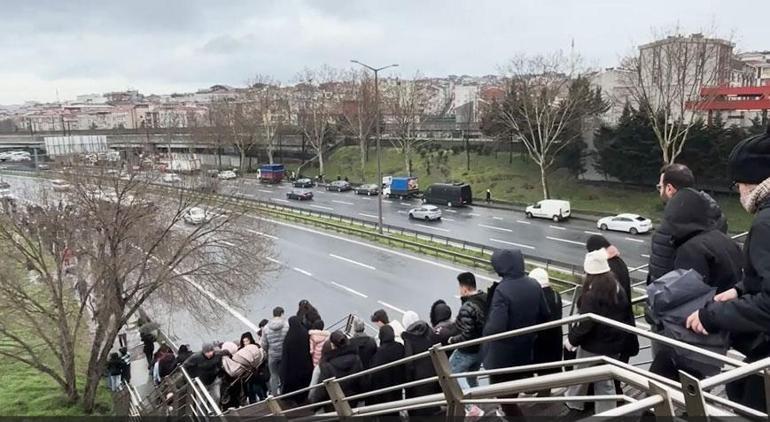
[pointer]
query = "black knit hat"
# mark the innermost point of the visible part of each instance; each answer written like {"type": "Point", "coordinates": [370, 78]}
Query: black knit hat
{"type": "Point", "coordinates": [596, 242]}
{"type": "Point", "coordinates": [750, 160]}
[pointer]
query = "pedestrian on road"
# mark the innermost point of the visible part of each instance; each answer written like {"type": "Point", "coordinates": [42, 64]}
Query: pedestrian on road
{"type": "Point", "coordinates": [517, 302]}
{"type": "Point", "coordinates": [273, 336]}
{"type": "Point", "coordinates": [366, 345]}
{"type": "Point", "coordinates": [488, 196]}
{"type": "Point", "coordinates": [417, 339]}
{"type": "Point", "coordinates": [318, 336]}
{"type": "Point", "coordinates": [296, 368]}
{"type": "Point", "coordinates": [601, 295]}
{"type": "Point", "coordinates": [744, 311]}
{"type": "Point", "coordinates": [548, 344]}
{"type": "Point", "coordinates": [380, 318]}
{"type": "Point", "coordinates": [441, 322]}
{"type": "Point", "coordinates": [389, 351]}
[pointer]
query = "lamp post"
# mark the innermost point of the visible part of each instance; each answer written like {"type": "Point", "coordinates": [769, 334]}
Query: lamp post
{"type": "Point", "coordinates": [376, 71]}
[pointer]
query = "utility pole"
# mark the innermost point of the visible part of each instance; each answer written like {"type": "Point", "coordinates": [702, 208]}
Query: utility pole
{"type": "Point", "coordinates": [376, 71]}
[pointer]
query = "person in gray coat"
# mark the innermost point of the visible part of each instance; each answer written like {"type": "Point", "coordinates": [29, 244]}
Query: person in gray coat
{"type": "Point", "coordinates": [272, 343]}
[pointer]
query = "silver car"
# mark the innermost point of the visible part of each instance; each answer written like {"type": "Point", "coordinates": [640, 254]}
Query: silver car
{"type": "Point", "coordinates": [425, 212]}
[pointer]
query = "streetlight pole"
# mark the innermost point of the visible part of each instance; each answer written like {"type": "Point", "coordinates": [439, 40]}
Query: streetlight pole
{"type": "Point", "coordinates": [376, 71]}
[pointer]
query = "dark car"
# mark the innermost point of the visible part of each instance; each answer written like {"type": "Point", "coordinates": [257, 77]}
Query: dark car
{"type": "Point", "coordinates": [301, 195]}
{"type": "Point", "coordinates": [367, 190]}
{"type": "Point", "coordinates": [450, 194]}
{"type": "Point", "coordinates": [339, 186]}
{"type": "Point", "coordinates": [303, 183]}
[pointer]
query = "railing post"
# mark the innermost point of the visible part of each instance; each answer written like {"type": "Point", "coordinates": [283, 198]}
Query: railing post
{"type": "Point", "coordinates": [766, 379]}
{"type": "Point", "coordinates": [274, 406]}
{"type": "Point", "coordinates": [664, 408]}
{"type": "Point", "coordinates": [450, 387]}
{"type": "Point", "coordinates": [337, 396]}
{"type": "Point", "coordinates": [693, 396]}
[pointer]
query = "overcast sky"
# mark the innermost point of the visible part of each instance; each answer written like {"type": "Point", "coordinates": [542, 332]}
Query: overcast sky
{"type": "Point", "coordinates": [164, 46]}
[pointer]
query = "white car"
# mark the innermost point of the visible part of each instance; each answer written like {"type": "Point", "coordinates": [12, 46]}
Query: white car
{"type": "Point", "coordinates": [552, 209]}
{"type": "Point", "coordinates": [171, 178]}
{"type": "Point", "coordinates": [629, 223]}
{"type": "Point", "coordinates": [425, 212]}
{"type": "Point", "coordinates": [196, 216]}
{"type": "Point", "coordinates": [60, 185]}
{"type": "Point", "coordinates": [227, 175]}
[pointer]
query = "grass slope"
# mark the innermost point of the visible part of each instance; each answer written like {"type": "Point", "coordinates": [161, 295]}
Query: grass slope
{"type": "Point", "coordinates": [517, 182]}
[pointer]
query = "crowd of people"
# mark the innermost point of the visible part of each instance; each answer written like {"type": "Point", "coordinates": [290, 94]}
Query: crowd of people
{"type": "Point", "coordinates": [702, 290]}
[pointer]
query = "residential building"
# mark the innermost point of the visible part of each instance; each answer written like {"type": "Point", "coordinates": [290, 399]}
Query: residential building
{"type": "Point", "coordinates": [759, 61]}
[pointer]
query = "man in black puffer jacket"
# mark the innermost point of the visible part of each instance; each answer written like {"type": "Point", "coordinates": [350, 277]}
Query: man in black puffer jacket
{"type": "Point", "coordinates": [470, 326]}
{"type": "Point", "coordinates": [673, 179]}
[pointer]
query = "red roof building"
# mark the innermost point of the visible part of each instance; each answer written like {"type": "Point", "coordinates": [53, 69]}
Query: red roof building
{"type": "Point", "coordinates": [734, 103]}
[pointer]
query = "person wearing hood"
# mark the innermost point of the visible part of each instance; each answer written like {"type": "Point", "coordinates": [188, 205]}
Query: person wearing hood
{"type": "Point", "coordinates": [296, 367]}
{"type": "Point", "coordinates": [418, 337]}
{"type": "Point", "coordinates": [673, 179]}
{"type": "Point", "coordinates": [548, 344]}
{"type": "Point", "coordinates": [318, 336]}
{"type": "Point", "coordinates": [380, 318]}
{"type": "Point", "coordinates": [365, 344]}
{"type": "Point", "coordinates": [744, 310]}
{"type": "Point", "coordinates": [517, 302]}
{"type": "Point", "coordinates": [307, 314]}
{"type": "Point", "coordinates": [603, 296]}
{"type": "Point", "coordinates": [206, 365]}
{"type": "Point", "coordinates": [388, 351]}
{"type": "Point", "coordinates": [182, 354]}
{"type": "Point", "coordinates": [441, 321]}
{"type": "Point", "coordinates": [340, 361]}
{"type": "Point", "coordinates": [273, 335]}
{"type": "Point", "coordinates": [114, 372]}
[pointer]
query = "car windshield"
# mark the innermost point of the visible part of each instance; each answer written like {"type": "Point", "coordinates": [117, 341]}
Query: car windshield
{"type": "Point", "coordinates": [640, 218]}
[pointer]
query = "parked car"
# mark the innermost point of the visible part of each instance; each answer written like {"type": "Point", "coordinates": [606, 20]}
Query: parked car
{"type": "Point", "coordinates": [171, 178]}
{"type": "Point", "coordinates": [368, 190]}
{"type": "Point", "coordinates": [60, 185]}
{"type": "Point", "coordinates": [300, 195]}
{"type": "Point", "coordinates": [449, 194]}
{"type": "Point", "coordinates": [196, 215]}
{"type": "Point", "coordinates": [303, 183]}
{"type": "Point", "coordinates": [227, 175]}
{"type": "Point", "coordinates": [552, 209]}
{"type": "Point", "coordinates": [42, 166]}
{"type": "Point", "coordinates": [339, 186]}
{"type": "Point", "coordinates": [629, 223]}
{"type": "Point", "coordinates": [425, 212]}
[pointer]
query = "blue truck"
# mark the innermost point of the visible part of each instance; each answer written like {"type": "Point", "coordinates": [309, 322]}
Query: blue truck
{"type": "Point", "coordinates": [400, 187]}
{"type": "Point", "coordinates": [271, 173]}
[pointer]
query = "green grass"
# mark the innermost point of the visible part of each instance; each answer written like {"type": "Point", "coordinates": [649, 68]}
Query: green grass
{"type": "Point", "coordinates": [518, 182]}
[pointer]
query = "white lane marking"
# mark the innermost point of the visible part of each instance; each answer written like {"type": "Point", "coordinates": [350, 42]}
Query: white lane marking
{"type": "Point", "coordinates": [365, 198]}
{"type": "Point", "coordinates": [590, 232]}
{"type": "Point", "coordinates": [273, 260]}
{"type": "Point", "coordinates": [447, 219]}
{"type": "Point", "coordinates": [269, 236]}
{"type": "Point", "coordinates": [388, 305]}
{"type": "Point", "coordinates": [321, 207]}
{"type": "Point", "coordinates": [224, 242]}
{"type": "Point", "coordinates": [342, 258]}
{"type": "Point", "coordinates": [645, 256]}
{"type": "Point", "coordinates": [401, 212]}
{"type": "Point", "coordinates": [406, 203]}
{"type": "Point", "coordinates": [634, 240]}
{"type": "Point", "coordinates": [279, 200]}
{"type": "Point", "coordinates": [473, 214]}
{"type": "Point", "coordinates": [301, 271]}
{"type": "Point", "coordinates": [523, 222]}
{"type": "Point", "coordinates": [265, 190]}
{"type": "Point", "coordinates": [565, 240]}
{"type": "Point", "coordinates": [496, 228]}
{"type": "Point", "coordinates": [512, 244]}
{"type": "Point", "coordinates": [369, 215]}
{"type": "Point", "coordinates": [221, 303]}
{"type": "Point", "coordinates": [342, 202]}
{"type": "Point", "coordinates": [432, 228]}
{"type": "Point", "coordinates": [558, 227]}
{"type": "Point", "coordinates": [370, 246]}
{"type": "Point", "coordinates": [452, 211]}
{"type": "Point", "coordinates": [497, 218]}
{"type": "Point", "coordinates": [350, 290]}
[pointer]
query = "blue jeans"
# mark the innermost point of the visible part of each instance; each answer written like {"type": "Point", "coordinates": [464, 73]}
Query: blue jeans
{"type": "Point", "coordinates": [462, 361]}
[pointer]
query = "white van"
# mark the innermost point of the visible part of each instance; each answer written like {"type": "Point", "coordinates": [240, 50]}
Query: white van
{"type": "Point", "coordinates": [552, 209]}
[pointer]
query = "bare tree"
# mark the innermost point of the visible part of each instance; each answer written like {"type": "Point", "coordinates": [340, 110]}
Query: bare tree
{"type": "Point", "coordinates": [237, 122]}
{"type": "Point", "coordinates": [102, 250]}
{"type": "Point", "coordinates": [270, 110]}
{"type": "Point", "coordinates": [359, 113]}
{"type": "Point", "coordinates": [665, 82]}
{"type": "Point", "coordinates": [317, 107]}
{"type": "Point", "coordinates": [406, 102]}
{"type": "Point", "coordinates": [545, 103]}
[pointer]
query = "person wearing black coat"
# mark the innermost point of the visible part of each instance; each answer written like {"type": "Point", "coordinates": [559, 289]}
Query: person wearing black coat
{"type": "Point", "coordinates": [389, 351]}
{"type": "Point", "coordinates": [365, 344]}
{"type": "Point", "coordinates": [182, 354]}
{"type": "Point", "coordinates": [148, 339]}
{"type": "Point", "coordinates": [744, 311]}
{"type": "Point", "coordinates": [296, 363]}
{"type": "Point", "coordinates": [418, 337]}
{"type": "Point", "coordinates": [548, 344]}
{"type": "Point", "coordinates": [441, 321]}
{"type": "Point", "coordinates": [517, 302]}
{"type": "Point", "coordinates": [307, 314]}
{"type": "Point", "coordinates": [340, 361]}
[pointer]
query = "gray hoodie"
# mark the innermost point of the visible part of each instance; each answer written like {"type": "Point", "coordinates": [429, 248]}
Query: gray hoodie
{"type": "Point", "coordinates": [272, 338]}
